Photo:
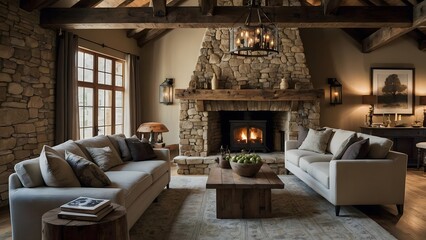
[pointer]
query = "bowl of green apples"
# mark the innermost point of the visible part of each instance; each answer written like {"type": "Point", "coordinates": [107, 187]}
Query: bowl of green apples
{"type": "Point", "coordinates": [246, 165]}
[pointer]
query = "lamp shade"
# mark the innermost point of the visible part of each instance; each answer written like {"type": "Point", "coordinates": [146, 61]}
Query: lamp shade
{"type": "Point", "coordinates": [152, 127]}
{"type": "Point", "coordinates": [369, 99]}
{"type": "Point", "coordinates": [422, 100]}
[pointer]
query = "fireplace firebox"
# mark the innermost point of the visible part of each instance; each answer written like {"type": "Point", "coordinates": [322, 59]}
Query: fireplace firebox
{"type": "Point", "coordinates": [248, 135]}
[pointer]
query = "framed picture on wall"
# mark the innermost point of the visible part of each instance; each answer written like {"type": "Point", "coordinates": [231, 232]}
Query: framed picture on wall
{"type": "Point", "coordinates": [394, 88]}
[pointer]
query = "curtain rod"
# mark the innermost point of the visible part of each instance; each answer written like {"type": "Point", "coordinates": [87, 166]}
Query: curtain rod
{"type": "Point", "coordinates": [102, 45]}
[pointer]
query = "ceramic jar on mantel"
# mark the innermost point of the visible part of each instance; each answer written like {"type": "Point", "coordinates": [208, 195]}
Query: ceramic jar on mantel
{"type": "Point", "coordinates": [215, 82]}
{"type": "Point", "coordinates": [283, 84]}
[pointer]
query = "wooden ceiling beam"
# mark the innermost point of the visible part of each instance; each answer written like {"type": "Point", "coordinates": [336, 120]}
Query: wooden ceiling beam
{"type": "Point", "coordinates": [385, 35]}
{"type": "Point", "coordinates": [31, 5]}
{"type": "Point", "coordinates": [86, 3]}
{"type": "Point", "coordinates": [330, 6]}
{"type": "Point", "coordinates": [207, 6]}
{"type": "Point", "coordinates": [159, 8]}
{"type": "Point", "coordinates": [191, 17]}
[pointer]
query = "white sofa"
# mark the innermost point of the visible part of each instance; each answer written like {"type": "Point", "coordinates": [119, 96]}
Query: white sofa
{"type": "Point", "coordinates": [134, 184]}
{"type": "Point", "coordinates": [376, 179]}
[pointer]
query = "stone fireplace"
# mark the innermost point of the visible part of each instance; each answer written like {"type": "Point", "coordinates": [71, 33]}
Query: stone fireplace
{"type": "Point", "coordinates": [245, 84]}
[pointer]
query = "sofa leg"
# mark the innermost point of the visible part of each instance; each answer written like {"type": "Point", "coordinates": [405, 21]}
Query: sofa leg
{"type": "Point", "coordinates": [337, 209]}
{"type": "Point", "coordinates": [400, 208]}
{"type": "Point", "coordinates": [167, 186]}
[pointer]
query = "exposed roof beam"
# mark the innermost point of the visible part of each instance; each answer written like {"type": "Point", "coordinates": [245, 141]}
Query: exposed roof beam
{"type": "Point", "coordinates": [330, 6]}
{"type": "Point", "coordinates": [385, 35]}
{"type": "Point", "coordinates": [151, 35]}
{"type": "Point", "coordinates": [159, 8]}
{"type": "Point", "coordinates": [86, 3]}
{"type": "Point", "coordinates": [191, 17]}
{"type": "Point", "coordinates": [31, 5]}
{"type": "Point", "coordinates": [207, 6]}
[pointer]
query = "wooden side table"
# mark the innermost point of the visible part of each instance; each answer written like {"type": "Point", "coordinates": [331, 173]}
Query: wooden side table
{"type": "Point", "coordinates": [112, 226]}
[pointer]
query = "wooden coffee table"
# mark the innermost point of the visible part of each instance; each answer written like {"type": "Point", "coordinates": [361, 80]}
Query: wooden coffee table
{"type": "Point", "coordinates": [243, 197]}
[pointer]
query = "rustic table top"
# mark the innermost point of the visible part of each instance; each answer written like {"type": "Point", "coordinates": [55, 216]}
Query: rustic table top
{"type": "Point", "coordinates": [226, 178]}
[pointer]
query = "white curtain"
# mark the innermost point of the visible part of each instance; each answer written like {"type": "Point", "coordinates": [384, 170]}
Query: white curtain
{"type": "Point", "coordinates": [66, 90]}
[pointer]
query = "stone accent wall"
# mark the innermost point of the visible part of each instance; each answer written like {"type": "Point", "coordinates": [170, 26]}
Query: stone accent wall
{"type": "Point", "coordinates": [27, 58]}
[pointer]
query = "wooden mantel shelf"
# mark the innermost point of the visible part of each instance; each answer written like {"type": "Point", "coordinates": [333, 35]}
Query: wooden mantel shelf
{"type": "Point", "coordinates": [249, 94]}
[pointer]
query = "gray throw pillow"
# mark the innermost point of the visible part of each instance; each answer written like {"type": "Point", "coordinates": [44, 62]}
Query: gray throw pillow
{"type": "Point", "coordinates": [29, 173]}
{"type": "Point", "coordinates": [343, 146]}
{"type": "Point", "coordinates": [140, 150]}
{"type": "Point", "coordinates": [357, 150]}
{"type": "Point", "coordinates": [301, 134]}
{"type": "Point", "coordinates": [104, 157]}
{"type": "Point", "coordinates": [55, 170]}
{"type": "Point", "coordinates": [316, 141]}
{"type": "Point", "coordinates": [87, 172]}
{"type": "Point", "coordinates": [119, 142]}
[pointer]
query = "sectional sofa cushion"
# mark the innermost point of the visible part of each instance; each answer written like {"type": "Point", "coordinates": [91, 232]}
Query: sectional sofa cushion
{"type": "Point", "coordinates": [29, 173]}
{"type": "Point", "coordinates": [321, 172]}
{"type": "Point", "coordinates": [69, 146]}
{"type": "Point", "coordinates": [104, 157]}
{"type": "Point", "coordinates": [344, 145]}
{"type": "Point", "coordinates": [86, 171]}
{"type": "Point", "coordinates": [294, 155]}
{"type": "Point", "coordinates": [154, 167]}
{"type": "Point", "coordinates": [316, 141]}
{"type": "Point", "coordinates": [119, 143]}
{"type": "Point", "coordinates": [55, 170]}
{"type": "Point", "coordinates": [131, 182]}
{"type": "Point", "coordinates": [358, 150]}
{"type": "Point", "coordinates": [379, 147]}
{"type": "Point", "coordinates": [305, 161]}
{"type": "Point", "coordinates": [140, 150]}
{"type": "Point", "coordinates": [301, 134]}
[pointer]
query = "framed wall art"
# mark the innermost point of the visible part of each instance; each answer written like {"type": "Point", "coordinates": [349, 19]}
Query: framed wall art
{"type": "Point", "coordinates": [394, 88]}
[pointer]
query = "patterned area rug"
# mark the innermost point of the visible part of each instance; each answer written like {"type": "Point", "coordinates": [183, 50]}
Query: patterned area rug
{"type": "Point", "coordinates": [188, 211]}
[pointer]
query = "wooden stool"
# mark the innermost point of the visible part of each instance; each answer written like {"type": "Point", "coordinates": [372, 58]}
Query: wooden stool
{"type": "Point", "coordinates": [421, 146]}
{"type": "Point", "coordinates": [112, 226]}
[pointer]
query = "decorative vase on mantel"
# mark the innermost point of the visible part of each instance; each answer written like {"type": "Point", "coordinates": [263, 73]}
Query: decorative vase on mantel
{"type": "Point", "coordinates": [215, 82]}
{"type": "Point", "coordinates": [283, 84]}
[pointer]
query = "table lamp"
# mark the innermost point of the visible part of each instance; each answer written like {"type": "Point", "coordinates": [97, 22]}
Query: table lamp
{"type": "Point", "coordinates": [370, 99]}
{"type": "Point", "coordinates": [153, 128]}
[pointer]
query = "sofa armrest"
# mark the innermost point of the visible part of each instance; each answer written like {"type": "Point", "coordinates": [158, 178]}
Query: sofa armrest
{"type": "Point", "coordinates": [291, 144]}
{"type": "Point", "coordinates": [369, 181]}
{"type": "Point", "coordinates": [162, 154]}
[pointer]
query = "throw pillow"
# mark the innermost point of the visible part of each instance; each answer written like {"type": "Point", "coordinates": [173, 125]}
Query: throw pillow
{"type": "Point", "coordinates": [55, 170]}
{"type": "Point", "coordinates": [104, 157]}
{"type": "Point", "coordinates": [357, 150]}
{"type": "Point", "coordinates": [343, 146]}
{"type": "Point", "coordinates": [301, 134]}
{"type": "Point", "coordinates": [87, 172]}
{"type": "Point", "coordinates": [316, 141]}
{"type": "Point", "coordinates": [119, 142]}
{"type": "Point", "coordinates": [140, 150]}
{"type": "Point", "coordinates": [29, 173]}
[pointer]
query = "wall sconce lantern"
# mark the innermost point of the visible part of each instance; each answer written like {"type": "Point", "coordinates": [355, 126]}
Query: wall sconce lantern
{"type": "Point", "coordinates": [166, 91]}
{"type": "Point", "coordinates": [335, 91]}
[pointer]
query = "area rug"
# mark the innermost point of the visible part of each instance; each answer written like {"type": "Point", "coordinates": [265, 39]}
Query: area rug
{"type": "Point", "coordinates": [188, 211]}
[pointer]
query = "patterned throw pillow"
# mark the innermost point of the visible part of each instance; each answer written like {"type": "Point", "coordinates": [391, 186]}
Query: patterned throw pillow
{"type": "Point", "coordinates": [140, 150]}
{"type": "Point", "coordinates": [104, 157]}
{"type": "Point", "coordinates": [87, 172]}
{"type": "Point", "coordinates": [55, 170]}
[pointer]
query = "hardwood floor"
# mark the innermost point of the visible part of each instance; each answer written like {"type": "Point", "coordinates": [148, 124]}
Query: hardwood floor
{"type": "Point", "coordinates": [411, 225]}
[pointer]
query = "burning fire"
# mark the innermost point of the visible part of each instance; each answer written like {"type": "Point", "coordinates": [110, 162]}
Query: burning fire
{"type": "Point", "coordinates": [255, 135]}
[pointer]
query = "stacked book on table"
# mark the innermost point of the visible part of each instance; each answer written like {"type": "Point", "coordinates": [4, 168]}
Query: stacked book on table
{"type": "Point", "coordinates": [86, 208]}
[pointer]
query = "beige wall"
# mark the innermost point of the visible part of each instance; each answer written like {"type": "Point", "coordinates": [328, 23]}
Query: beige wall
{"type": "Point", "coordinates": [332, 53]}
{"type": "Point", "coordinates": [112, 38]}
{"type": "Point", "coordinates": [172, 56]}
{"type": "Point", "coordinates": [329, 53]}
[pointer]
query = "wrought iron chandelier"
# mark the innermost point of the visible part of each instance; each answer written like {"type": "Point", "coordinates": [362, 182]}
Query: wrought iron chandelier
{"type": "Point", "coordinates": [254, 39]}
